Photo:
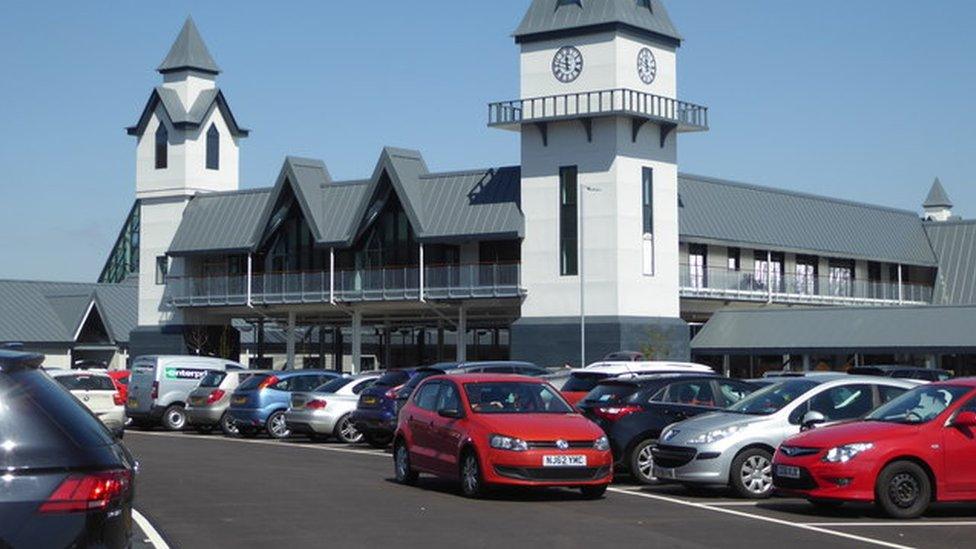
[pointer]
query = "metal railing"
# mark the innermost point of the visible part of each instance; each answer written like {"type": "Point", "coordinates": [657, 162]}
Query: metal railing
{"type": "Point", "coordinates": [720, 283]}
{"type": "Point", "coordinates": [687, 116]}
{"type": "Point", "coordinates": [494, 280]}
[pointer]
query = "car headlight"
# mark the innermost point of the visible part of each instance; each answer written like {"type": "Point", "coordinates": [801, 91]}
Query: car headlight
{"type": "Point", "coordinates": [602, 444]}
{"type": "Point", "coordinates": [847, 452]}
{"type": "Point", "coordinates": [715, 436]}
{"type": "Point", "coordinates": [502, 442]}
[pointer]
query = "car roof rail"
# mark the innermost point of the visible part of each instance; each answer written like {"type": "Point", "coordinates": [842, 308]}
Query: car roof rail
{"type": "Point", "coordinates": [17, 360]}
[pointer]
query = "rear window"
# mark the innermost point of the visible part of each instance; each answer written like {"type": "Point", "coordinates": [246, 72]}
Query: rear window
{"type": "Point", "coordinates": [213, 379]}
{"type": "Point", "coordinates": [393, 379]}
{"type": "Point", "coordinates": [333, 385]}
{"type": "Point", "coordinates": [583, 383]}
{"type": "Point", "coordinates": [252, 382]}
{"type": "Point", "coordinates": [84, 382]}
{"type": "Point", "coordinates": [610, 393]}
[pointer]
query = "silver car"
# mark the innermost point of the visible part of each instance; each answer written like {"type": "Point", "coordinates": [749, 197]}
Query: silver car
{"type": "Point", "coordinates": [324, 412]}
{"type": "Point", "coordinates": [206, 407]}
{"type": "Point", "coordinates": [735, 447]}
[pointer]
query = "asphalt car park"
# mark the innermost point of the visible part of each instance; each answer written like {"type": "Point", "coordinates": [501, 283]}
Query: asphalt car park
{"type": "Point", "coordinates": [205, 491]}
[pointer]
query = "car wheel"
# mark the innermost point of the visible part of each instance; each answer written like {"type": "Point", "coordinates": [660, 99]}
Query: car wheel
{"type": "Point", "coordinates": [752, 474]}
{"type": "Point", "coordinates": [903, 490]}
{"type": "Point", "coordinates": [174, 418]}
{"type": "Point", "coordinates": [346, 431]}
{"type": "Point", "coordinates": [593, 492]}
{"type": "Point", "coordinates": [228, 426]}
{"type": "Point", "coordinates": [401, 465]}
{"type": "Point", "coordinates": [642, 462]}
{"type": "Point", "coordinates": [276, 426]}
{"type": "Point", "coordinates": [472, 485]}
{"type": "Point", "coordinates": [378, 441]}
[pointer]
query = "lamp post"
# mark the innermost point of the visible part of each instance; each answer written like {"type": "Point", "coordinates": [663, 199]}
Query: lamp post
{"type": "Point", "coordinates": [582, 190]}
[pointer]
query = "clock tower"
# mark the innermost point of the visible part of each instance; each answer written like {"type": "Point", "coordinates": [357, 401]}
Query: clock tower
{"type": "Point", "coordinates": [599, 119]}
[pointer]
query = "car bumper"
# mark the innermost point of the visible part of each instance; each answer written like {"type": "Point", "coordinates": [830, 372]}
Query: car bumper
{"type": "Point", "coordinates": [374, 422]}
{"type": "Point", "coordinates": [249, 417]}
{"type": "Point", "coordinates": [691, 465]}
{"type": "Point", "coordinates": [204, 415]}
{"type": "Point", "coordinates": [851, 481]}
{"type": "Point", "coordinates": [154, 414]}
{"type": "Point", "coordinates": [305, 421]}
{"type": "Point", "coordinates": [502, 467]}
{"type": "Point", "coordinates": [113, 418]}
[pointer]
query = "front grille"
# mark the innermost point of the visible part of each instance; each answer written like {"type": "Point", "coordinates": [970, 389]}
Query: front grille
{"type": "Point", "coordinates": [672, 456]}
{"type": "Point", "coordinates": [798, 451]}
{"type": "Point", "coordinates": [553, 474]}
{"type": "Point", "coordinates": [805, 482]}
{"type": "Point", "coordinates": [542, 444]}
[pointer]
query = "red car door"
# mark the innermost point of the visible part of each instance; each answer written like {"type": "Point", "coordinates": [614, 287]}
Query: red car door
{"type": "Point", "coordinates": [448, 432]}
{"type": "Point", "coordinates": [421, 414]}
{"type": "Point", "coordinates": [959, 449]}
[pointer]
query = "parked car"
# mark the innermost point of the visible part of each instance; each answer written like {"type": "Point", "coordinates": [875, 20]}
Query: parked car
{"type": "Point", "coordinates": [487, 430]}
{"type": "Point", "coordinates": [559, 378]}
{"type": "Point", "coordinates": [902, 372]}
{"type": "Point", "coordinates": [776, 374]}
{"type": "Point", "coordinates": [97, 392]}
{"type": "Point", "coordinates": [735, 447]}
{"type": "Point", "coordinates": [68, 481]}
{"type": "Point", "coordinates": [624, 356]}
{"type": "Point", "coordinates": [260, 401]}
{"type": "Point", "coordinates": [911, 452]}
{"type": "Point", "coordinates": [324, 412]}
{"type": "Point", "coordinates": [376, 411]}
{"type": "Point", "coordinates": [160, 386]}
{"type": "Point", "coordinates": [499, 367]}
{"type": "Point", "coordinates": [121, 380]}
{"type": "Point", "coordinates": [633, 412]}
{"type": "Point", "coordinates": [583, 380]}
{"type": "Point", "coordinates": [207, 405]}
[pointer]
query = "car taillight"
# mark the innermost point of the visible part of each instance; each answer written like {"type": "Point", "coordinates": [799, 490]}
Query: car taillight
{"type": "Point", "coordinates": [155, 390]}
{"type": "Point", "coordinates": [613, 413]}
{"type": "Point", "coordinates": [267, 382]}
{"type": "Point", "coordinates": [117, 398]}
{"type": "Point", "coordinates": [316, 405]}
{"type": "Point", "coordinates": [79, 493]}
{"type": "Point", "coordinates": [392, 393]}
{"type": "Point", "coordinates": [214, 396]}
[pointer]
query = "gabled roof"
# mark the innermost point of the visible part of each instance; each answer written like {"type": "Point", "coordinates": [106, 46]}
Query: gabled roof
{"type": "Point", "coordinates": [736, 214]}
{"type": "Point", "coordinates": [554, 18]}
{"type": "Point", "coordinates": [189, 52]}
{"type": "Point", "coordinates": [937, 198]}
{"type": "Point", "coordinates": [220, 223]}
{"type": "Point", "coordinates": [305, 178]}
{"type": "Point", "coordinates": [183, 118]}
{"type": "Point", "coordinates": [954, 243]}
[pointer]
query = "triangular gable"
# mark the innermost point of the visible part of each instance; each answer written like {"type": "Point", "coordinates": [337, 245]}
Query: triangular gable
{"type": "Point", "coordinates": [93, 320]}
{"type": "Point", "coordinates": [304, 177]}
{"type": "Point", "coordinates": [403, 168]}
{"type": "Point", "coordinates": [186, 119]}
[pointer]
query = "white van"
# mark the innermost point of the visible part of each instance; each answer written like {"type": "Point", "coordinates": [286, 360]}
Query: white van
{"type": "Point", "coordinates": [159, 387]}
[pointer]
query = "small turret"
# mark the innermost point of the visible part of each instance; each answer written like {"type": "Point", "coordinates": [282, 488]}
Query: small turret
{"type": "Point", "coordinates": [937, 205]}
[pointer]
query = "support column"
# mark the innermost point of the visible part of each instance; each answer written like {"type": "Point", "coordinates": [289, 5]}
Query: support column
{"type": "Point", "coordinates": [901, 286]}
{"type": "Point", "coordinates": [462, 334]}
{"type": "Point", "coordinates": [322, 352]}
{"type": "Point", "coordinates": [387, 346]}
{"type": "Point", "coordinates": [421, 272]}
{"type": "Point", "coordinates": [769, 276]}
{"type": "Point", "coordinates": [357, 341]}
{"type": "Point", "coordinates": [421, 346]}
{"type": "Point", "coordinates": [440, 341]}
{"type": "Point", "coordinates": [338, 348]}
{"type": "Point", "coordinates": [806, 363]}
{"type": "Point", "coordinates": [290, 342]}
{"type": "Point", "coordinates": [260, 338]}
{"type": "Point", "coordinates": [726, 365]}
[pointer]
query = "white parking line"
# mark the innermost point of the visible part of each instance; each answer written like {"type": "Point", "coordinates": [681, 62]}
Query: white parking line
{"type": "Point", "coordinates": [275, 443]}
{"type": "Point", "coordinates": [147, 528]}
{"type": "Point", "coordinates": [734, 503]}
{"type": "Point", "coordinates": [898, 524]}
{"type": "Point", "coordinates": [741, 514]}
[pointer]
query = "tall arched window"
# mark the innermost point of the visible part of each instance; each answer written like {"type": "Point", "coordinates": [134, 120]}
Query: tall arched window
{"type": "Point", "coordinates": [162, 142]}
{"type": "Point", "coordinates": [213, 148]}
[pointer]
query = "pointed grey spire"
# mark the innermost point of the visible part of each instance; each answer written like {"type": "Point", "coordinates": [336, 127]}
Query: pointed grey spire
{"type": "Point", "coordinates": [189, 52]}
{"type": "Point", "coordinates": [937, 198]}
{"type": "Point", "coordinates": [551, 18]}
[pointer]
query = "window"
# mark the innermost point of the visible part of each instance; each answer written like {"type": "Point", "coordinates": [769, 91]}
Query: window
{"type": "Point", "coordinates": [568, 230]}
{"type": "Point", "coordinates": [448, 398]}
{"type": "Point", "coordinates": [806, 274]}
{"type": "Point", "coordinates": [162, 269]}
{"type": "Point", "coordinates": [844, 402]}
{"type": "Point", "coordinates": [647, 216]}
{"type": "Point", "coordinates": [213, 148]}
{"type": "Point", "coordinates": [698, 265]}
{"type": "Point", "coordinates": [733, 392]}
{"type": "Point", "coordinates": [841, 277]}
{"type": "Point", "coordinates": [735, 259]}
{"type": "Point", "coordinates": [769, 270]}
{"type": "Point", "coordinates": [427, 396]}
{"type": "Point", "coordinates": [695, 393]}
{"type": "Point", "coordinates": [162, 145]}
{"type": "Point", "coordinates": [889, 393]}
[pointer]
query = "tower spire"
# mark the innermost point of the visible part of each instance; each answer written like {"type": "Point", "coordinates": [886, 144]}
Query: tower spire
{"type": "Point", "coordinates": [937, 205]}
{"type": "Point", "coordinates": [189, 52]}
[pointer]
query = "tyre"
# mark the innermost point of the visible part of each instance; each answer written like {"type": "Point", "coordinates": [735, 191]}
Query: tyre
{"type": "Point", "coordinates": [593, 492]}
{"type": "Point", "coordinates": [228, 426]}
{"type": "Point", "coordinates": [378, 440]}
{"type": "Point", "coordinates": [903, 490]}
{"type": "Point", "coordinates": [174, 418]}
{"type": "Point", "coordinates": [641, 462]}
{"type": "Point", "coordinates": [752, 474]}
{"type": "Point", "coordinates": [401, 465]}
{"type": "Point", "coordinates": [276, 426]}
{"type": "Point", "coordinates": [472, 483]}
{"type": "Point", "coordinates": [346, 432]}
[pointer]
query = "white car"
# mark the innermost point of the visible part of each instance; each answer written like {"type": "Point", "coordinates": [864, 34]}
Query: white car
{"type": "Point", "coordinates": [96, 390]}
{"type": "Point", "coordinates": [324, 412]}
{"type": "Point", "coordinates": [583, 380]}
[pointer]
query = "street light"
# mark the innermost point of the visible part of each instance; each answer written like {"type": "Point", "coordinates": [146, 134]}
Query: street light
{"type": "Point", "coordinates": [582, 284]}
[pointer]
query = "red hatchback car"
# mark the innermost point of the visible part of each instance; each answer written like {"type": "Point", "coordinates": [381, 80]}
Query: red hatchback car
{"type": "Point", "coordinates": [910, 452]}
{"type": "Point", "coordinates": [491, 430]}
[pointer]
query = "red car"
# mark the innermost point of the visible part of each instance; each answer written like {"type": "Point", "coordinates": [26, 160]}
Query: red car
{"type": "Point", "coordinates": [491, 430]}
{"type": "Point", "coordinates": [121, 380]}
{"type": "Point", "coordinates": [910, 452]}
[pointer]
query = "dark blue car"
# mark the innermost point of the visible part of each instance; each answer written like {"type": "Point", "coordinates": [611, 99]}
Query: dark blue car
{"type": "Point", "coordinates": [260, 402]}
{"type": "Point", "coordinates": [376, 413]}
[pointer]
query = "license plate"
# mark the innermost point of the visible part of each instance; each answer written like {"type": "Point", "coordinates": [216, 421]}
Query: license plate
{"type": "Point", "coordinates": [240, 400]}
{"type": "Point", "coordinates": [787, 471]}
{"type": "Point", "coordinates": [564, 461]}
{"type": "Point", "coordinates": [369, 400]}
{"type": "Point", "coordinates": [197, 401]}
{"type": "Point", "coordinates": [661, 472]}
{"type": "Point", "coordinates": [133, 403]}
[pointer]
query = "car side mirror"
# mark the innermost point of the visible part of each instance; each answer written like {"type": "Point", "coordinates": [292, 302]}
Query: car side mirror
{"type": "Point", "coordinates": [811, 419]}
{"type": "Point", "coordinates": [450, 413]}
{"type": "Point", "coordinates": [965, 419]}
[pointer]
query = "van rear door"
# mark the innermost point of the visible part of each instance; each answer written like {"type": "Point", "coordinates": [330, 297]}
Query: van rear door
{"type": "Point", "coordinates": [141, 382]}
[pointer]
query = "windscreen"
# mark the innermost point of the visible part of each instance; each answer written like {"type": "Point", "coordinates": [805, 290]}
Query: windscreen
{"type": "Point", "coordinates": [213, 379]}
{"type": "Point", "coordinates": [85, 382]}
{"type": "Point", "coordinates": [582, 383]}
{"type": "Point", "coordinates": [920, 405]}
{"type": "Point", "coordinates": [392, 379]}
{"type": "Point", "coordinates": [610, 393]}
{"type": "Point", "coordinates": [252, 382]}
{"type": "Point", "coordinates": [515, 398]}
{"type": "Point", "coordinates": [334, 385]}
{"type": "Point", "coordinates": [772, 399]}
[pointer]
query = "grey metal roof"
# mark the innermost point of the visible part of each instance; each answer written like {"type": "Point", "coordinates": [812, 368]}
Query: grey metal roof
{"type": "Point", "coordinates": [220, 222]}
{"type": "Point", "coordinates": [713, 210]}
{"type": "Point", "coordinates": [841, 329]}
{"type": "Point", "coordinates": [189, 52]}
{"type": "Point", "coordinates": [184, 118]}
{"type": "Point", "coordinates": [481, 203]}
{"type": "Point", "coordinates": [550, 18]}
{"type": "Point", "coordinates": [51, 312]}
{"type": "Point", "coordinates": [954, 243]}
{"type": "Point", "coordinates": [937, 198]}
{"type": "Point", "coordinates": [341, 201]}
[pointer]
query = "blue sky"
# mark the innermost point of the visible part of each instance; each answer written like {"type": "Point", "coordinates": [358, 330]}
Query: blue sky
{"type": "Point", "coordinates": [866, 100]}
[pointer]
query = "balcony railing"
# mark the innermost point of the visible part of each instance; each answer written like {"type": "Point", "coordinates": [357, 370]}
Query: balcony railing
{"type": "Point", "coordinates": [686, 116]}
{"type": "Point", "coordinates": [480, 281]}
{"type": "Point", "coordinates": [795, 288]}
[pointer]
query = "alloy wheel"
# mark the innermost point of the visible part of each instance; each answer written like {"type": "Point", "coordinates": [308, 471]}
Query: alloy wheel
{"type": "Point", "coordinates": [348, 432]}
{"type": "Point", "coordinates": [277, 426]}
{"type": "Point", "coordinates": [757, 474]}
{"type": "Point", "coordinates": [402, 463]}
{"type": "Point", "coordinates": [229, 426]}
{"type": "Point", "coordinates": [645, 462]}
{"type": "Point", "coordinates": [471, 476]}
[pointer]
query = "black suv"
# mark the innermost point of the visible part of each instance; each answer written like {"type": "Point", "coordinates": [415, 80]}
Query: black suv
{"type": "Point", "coordinates": [633, 411]}
{"type": "Point", "coordinates": [67, 481]}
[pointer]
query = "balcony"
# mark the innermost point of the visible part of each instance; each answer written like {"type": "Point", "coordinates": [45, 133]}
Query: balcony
{"type": "Point", "coordinates": [792, 288]}
{"type": "Point", "coordinates": [643, 107]}
{"type": "Point", "coordinates": [479, 281]}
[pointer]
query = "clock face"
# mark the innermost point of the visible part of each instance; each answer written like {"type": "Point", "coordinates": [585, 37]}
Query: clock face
{"type": "Point", "coordinates": [646, 66]}
{"type": "Point", "coordinates": [567, 64]}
